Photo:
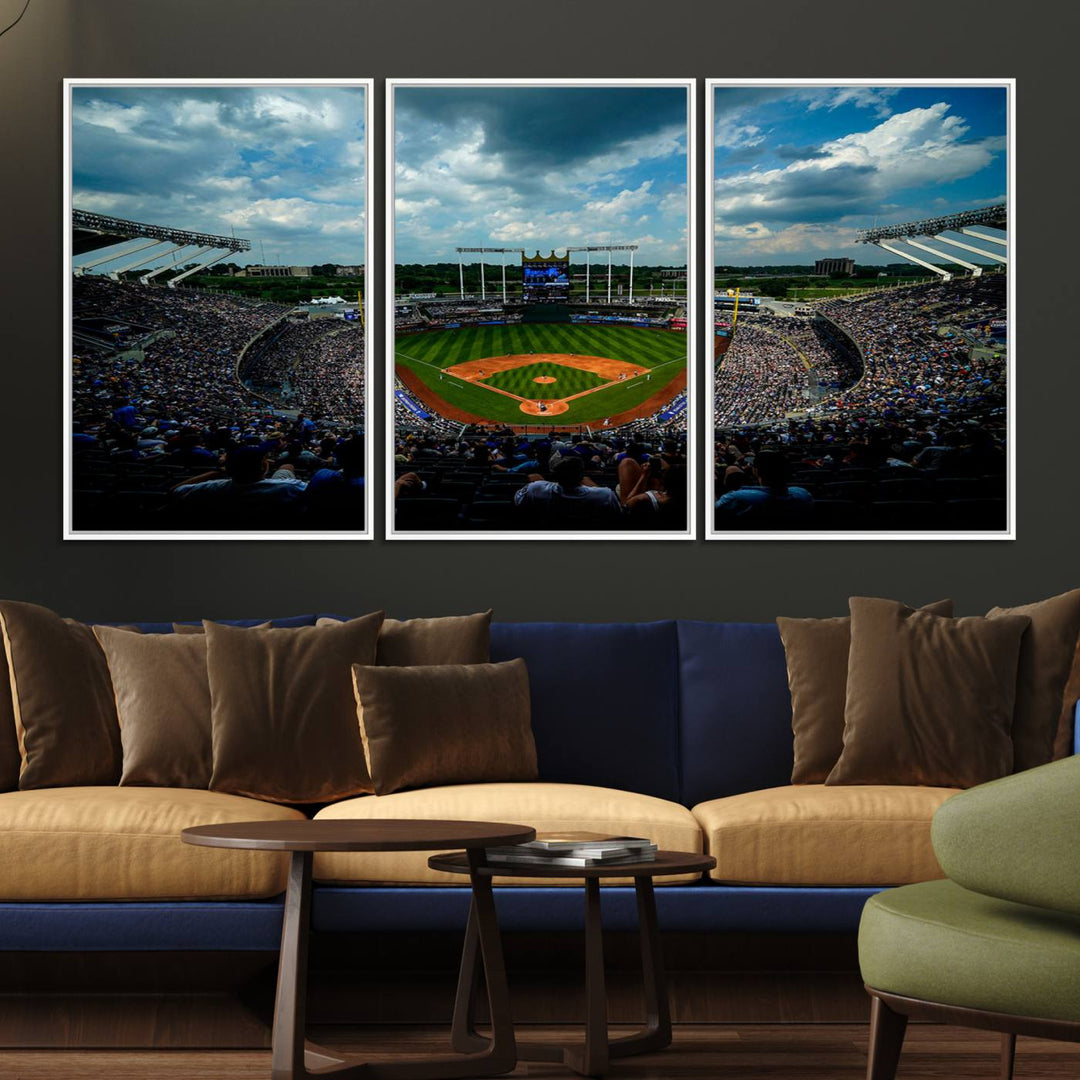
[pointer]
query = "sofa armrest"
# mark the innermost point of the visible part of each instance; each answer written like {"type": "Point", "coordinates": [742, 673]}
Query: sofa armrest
{"type": "Point", "coordinates": [1017, 838]}
{"type": "Point", "coordinates": [1076, 729]}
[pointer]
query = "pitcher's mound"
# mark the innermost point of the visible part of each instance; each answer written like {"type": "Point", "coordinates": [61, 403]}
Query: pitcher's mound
{"type": "Point", "coordinates": [551, 408]}
{"type": "Point", "coordinates": [544, 379]}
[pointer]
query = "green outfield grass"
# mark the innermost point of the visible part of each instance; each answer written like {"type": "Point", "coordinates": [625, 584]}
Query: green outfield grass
{"type": "Point", "coordinates": [427, 354]}
{"type": "Point", "coordinates": [567, 381]}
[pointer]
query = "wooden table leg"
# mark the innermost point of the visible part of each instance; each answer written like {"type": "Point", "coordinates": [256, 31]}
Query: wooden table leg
{"type": "Point", "coordinates": [592, 1059]}
{"type": "Point", "coordinates": [290, 1004]}
{"type": "Point", "coordinates": [292, 1058]}
{"type": "Point", "coordinates": [657, 1031]}
{"type": "Point", "coordinates": [464, 1037]}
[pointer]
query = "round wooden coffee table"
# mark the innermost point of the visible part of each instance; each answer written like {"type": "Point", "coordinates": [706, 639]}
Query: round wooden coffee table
{"type": "Point", "coordinates": [591, 1058]}
{"type": "Point", "coordinates": [291, 1057]}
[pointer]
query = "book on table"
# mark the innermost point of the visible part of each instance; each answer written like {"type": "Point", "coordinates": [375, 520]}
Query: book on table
{"type": "Point", "coordinates": [575, 849]}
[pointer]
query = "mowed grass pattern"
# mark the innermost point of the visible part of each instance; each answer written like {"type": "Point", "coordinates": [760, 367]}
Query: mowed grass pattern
{"type": "Point", "coordinates": [663, 351]}
{"type": "Point", "coordinates": [522, 380]}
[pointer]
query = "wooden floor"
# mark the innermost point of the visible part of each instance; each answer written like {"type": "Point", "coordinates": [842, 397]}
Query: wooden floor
{"type": "Point", "coordinates": [725, 1052]}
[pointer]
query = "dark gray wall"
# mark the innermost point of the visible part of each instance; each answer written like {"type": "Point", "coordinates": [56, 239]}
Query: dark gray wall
{"type": "Point", "coordinates": [408, 38]}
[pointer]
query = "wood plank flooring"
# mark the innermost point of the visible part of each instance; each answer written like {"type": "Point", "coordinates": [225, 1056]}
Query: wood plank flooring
{"type": "Point", "coordinates": [716, 1052]}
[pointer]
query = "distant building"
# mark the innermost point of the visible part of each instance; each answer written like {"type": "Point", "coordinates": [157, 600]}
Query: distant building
{"type": "Point", "coordinates": [349, 271]}
{"type": "Point", "coordinates": [274, 271]}
{"type": "Point", "coordinates": [834, 266]}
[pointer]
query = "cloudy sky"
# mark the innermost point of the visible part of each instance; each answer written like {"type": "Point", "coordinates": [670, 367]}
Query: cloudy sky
{"type": "Point", "coordinates": [282, 166]}
{"type": "Point", "coordinates": [540, 168]}
{"type": "Point", "coordinates": [799, 171]}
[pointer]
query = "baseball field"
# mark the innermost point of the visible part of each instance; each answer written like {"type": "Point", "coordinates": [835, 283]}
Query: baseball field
{"type": "Point", "coordinates": [530, 374]}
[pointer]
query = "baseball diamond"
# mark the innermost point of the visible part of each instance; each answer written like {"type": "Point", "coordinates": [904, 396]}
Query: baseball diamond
{"type": "Point", "coordinates": [579, 374]}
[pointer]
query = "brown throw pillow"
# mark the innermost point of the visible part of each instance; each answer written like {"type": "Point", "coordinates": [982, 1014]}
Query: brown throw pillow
{"type": "Point", "coordinates": [163, 702]}
{"type": "Point", "coordinates": [445, 724]}
{"type": "Point", "coordinates": [1066, 733]}
{"type": "Point", "coordinates": [197, 628]}
{"type": "Point", "coordinates": [1046, 656]}
{"type": "Point", "coordinates": [455, 639]}
{"type": "Point", "coordinates": [62, 698]}
{"type": "Point", "coordinates": [817, 661]}
{"type": "Point", "coordinates": [929, 699]}
{"type": "Point", "coordinates": [9, 739]}
{"type": "Point", "coordinates": [282, 710]}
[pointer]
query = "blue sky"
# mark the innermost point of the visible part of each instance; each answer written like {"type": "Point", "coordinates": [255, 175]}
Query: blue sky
{"type": "Point", "coordinates": [540, 168]}
{"type": "Point", "coordinates": [282, 166]}
{"type": "Point", "coordinates": [799, 171]}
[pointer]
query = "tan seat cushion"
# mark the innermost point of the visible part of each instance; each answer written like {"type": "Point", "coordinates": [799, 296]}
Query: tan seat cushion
{"type": "Point", "coordinates": [123, 843]}
{"type": "Point", "coordinates": [810, 834]}
{"type": "Point", "coordinates": [546, 807]}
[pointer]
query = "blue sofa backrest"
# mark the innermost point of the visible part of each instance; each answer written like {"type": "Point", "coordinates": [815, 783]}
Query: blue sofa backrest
{"type": "Point", "coordinates": [735, 712]}
{"type": "Point", "coordinates": [605, 701]}
{"type": "Point", "coordinates": [686, 711]}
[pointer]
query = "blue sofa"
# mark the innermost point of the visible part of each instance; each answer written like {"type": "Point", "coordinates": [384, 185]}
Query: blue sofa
{"type": "Point", "coordinates": [685, 712]}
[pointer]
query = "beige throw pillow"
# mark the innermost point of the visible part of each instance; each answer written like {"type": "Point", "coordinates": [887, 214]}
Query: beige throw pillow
{"type": "Point", "coordinates": [453, 639]}
{"type": "Point", "coordinates": [929, 700]}
{"type": "Point", "coordinates": [163, 703]}
{"type": "Point", "coordinates": [816, 651]}
{"type": "Point", "coordinates": [62, 699]}
{"type": "Point", "coordinates": [1046, 657]}
{"type": "Point", "coordinates": [445, 724]}
{"type": "Point", "coordinates": [283, 715]}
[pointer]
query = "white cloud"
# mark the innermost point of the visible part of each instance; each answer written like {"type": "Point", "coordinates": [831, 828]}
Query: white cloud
{"type": "Point", "coordinates": [122, 119]}
{"type": "Point", "coordinates": [877, 98]}
{"type": "Point", "coordinates": [623, 203]}
{"type": "Point", "coordinates": [917, 147]}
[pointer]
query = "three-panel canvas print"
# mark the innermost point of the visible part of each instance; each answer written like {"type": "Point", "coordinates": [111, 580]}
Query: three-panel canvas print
{"type": "Point", "coordinates": [552, 361]}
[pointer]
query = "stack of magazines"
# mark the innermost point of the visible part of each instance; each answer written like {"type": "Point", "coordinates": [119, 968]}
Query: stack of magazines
{"type": "Point", "coordinates": [575, 849]}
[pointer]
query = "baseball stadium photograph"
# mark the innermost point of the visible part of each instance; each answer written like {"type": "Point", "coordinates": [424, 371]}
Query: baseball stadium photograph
{"type": "Point", "coordinates": [540, 274]}
{"type": "Point", "coordinates": [214, 280]}
{"type": "Point", "coordinates": [862, 301]}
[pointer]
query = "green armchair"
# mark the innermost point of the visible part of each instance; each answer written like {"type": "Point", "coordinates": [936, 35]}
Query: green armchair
{"type": "Point", "coordinates": [997, 944]}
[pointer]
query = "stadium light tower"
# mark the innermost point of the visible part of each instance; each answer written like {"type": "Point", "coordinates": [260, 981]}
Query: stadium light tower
{"type": "Point", "coordinates": [481, 251]}
{"type": "Point", "coordinates": [609, 248]}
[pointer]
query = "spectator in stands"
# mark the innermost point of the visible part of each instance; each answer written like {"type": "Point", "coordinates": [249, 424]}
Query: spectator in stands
{"type": "Point", "coordinates": [335, 497]}
{"type": "Point", "coordinates": [187, 449]}
{"type": "Point", "coordinates": [247, 497]}
{"type": "Point", "coordinates": [570, 498]}
{"type": "Point", "coordinates": [769, 503]}
{"type": "Point", "coordinates": [663, 494]}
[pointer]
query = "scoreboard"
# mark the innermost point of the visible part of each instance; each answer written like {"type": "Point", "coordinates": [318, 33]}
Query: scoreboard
{"type": "Point", "coordinates": [545, 279]}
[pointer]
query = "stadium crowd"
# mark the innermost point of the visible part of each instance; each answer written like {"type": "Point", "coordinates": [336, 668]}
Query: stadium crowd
{"type": "Point", "coordinates": [919, 442]}
{"type": "Point", "coordinates": [503, 480]}
{"type": "Point", "coordinates": [166, 435]}
{"type": "Point", "coordinates": [316, 366]}
{"type": "Point", "coordinates": [761, 377]}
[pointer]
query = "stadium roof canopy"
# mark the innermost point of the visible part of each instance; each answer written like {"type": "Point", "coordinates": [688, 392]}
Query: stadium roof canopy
{"type": "Point", "coordinates": [898, 239]}
{"type": "Point", "coordinates": [93, 232]}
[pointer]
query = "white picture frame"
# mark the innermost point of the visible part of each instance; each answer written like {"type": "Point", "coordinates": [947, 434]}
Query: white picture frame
{"type": "Point", "coordinates": [69, 531]}
{"type": "Point", "coordinates": [711, 532]}
{"type": "Point", "coordinates": [690, 532]}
